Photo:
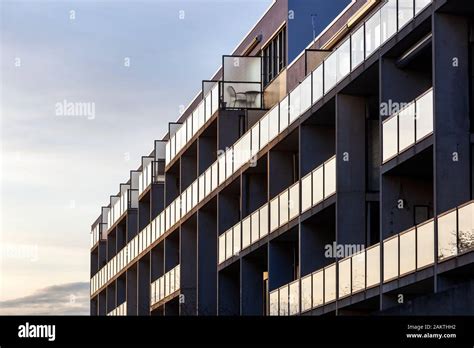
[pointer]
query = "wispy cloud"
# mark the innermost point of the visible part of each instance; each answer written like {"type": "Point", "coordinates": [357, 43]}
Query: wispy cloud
{"type": "Point", "coordinates": [64, 299]}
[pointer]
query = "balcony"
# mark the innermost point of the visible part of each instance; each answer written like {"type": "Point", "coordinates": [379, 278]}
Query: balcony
{"type": "Point", "coordinates": [405, 253]}
{"type": "Point", "coordinates": [165, 286]}
{"type": "Point", "coordinates": [408, 127]}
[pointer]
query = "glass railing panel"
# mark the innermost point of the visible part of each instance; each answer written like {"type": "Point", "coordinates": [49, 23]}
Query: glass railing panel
{"type": "Point", "coordinates": [284, 300]}
{"type": "Point", "coordinates": [264, 221]}
{"type": "Point", "coordinates": [207, 182]}
{"type": "Point", "coordinates": [254, 222]}
{"type": "Point", "coordinates": [294, 201]}
{"type": "Point", "coordinates": [358, 272]}
{"type": "Point", "coordinates": [214, 176]}
{"type": "Point", "coordinates": [245, 154]}
{"type": "Point", "coordinates": [408, 252]}
{"type": "Point", "coordinates": [237, 239]}
{"type": "Point", "coordinates": [189, 128]}
{"type": "Point", "coordinates": [318, 288]}
{"type": "Point", "coordinates": [215, 98]}
{"type": "Point", "coordinates": [208, 107]}
{"type": "Point", "coordinates": [229, 239]}
{"type": "Point", "coordinates": [390, 138]}
{"type": "Point", "coordinates": [295, 104]}
{"type": "Point", "coordinates": [357, 49]}
{"type": "Point", "coordinates": [330, 283]}
{"type": "Point", "coordinates": [425, 244]}
{"type": "Point", "coordinates": [388, 19]}
{"type": "Point", "coordinates": [420, 5]}
{"type": "Point", "coordinates": [330, 72]}
{"type": "Point", "coordinates": [390, 259]}
{"type": "Point", "coordinates": [447, 236]}
{"type": "Point", "coordinates": [283, 106]}
{"type": "Point", "coordinates": [195, 122]}
{"type": "Point", "coordinates": [345, 287]}
{"type": "Point", "coordinates": [195, 192]}
{"type": "Point", "coordinates": [306, 188]}
{"type": "Point", "coordinates": [168, 152]}
{"type": "Point", "coordinates": [222, 166]}
{"type": "Point", "coordinates": [177, 277]}
{"type": "Point", "coordinates": [167, 284]}
{"type": "Point", "coordinates": [372, 34]}
{"type": "Point", "coordinates": [284, 207]}
{"type": "Point", "coordinates": [306, 293]}
{"type": "Point", "coordinates": [178, 140]}
{"type": "Point", "coordinates": [172, 281]}
{"type": "Point", "coordinates": [255, 139]}
{"type": "Point", "coordinates": [201, 115]}
{"type": "Point", "coordinates": [343, 54]}
{"type": "Point", "coordinates": [246, 233]}
{"type": "Point", "coordinates": [229, 160]}
{"type": "Point", "coordinates": [264, 131]}
{"type": "Point", "coordinates": [274, 214]}
{"type": "Point", "coordinates": [373, 266]}
{"type": "Point", "coordinates": [274, 301]}
{"type": "Point", "coordinates": [274, 121]}
{"type": "Point", "coordinates": [294, 298]}
{"type": "Point", "coordinates": [424, 115]}
{"type": "Point", "coordinates": [305, 92]}
{"type": "Point", "coordinates": [466, 227]}
{"type": "Point", "coordinates": [329, 177]}
{"type": "Point", "coordinates": [162, 287]}
{"type": "Point", "coordinates": [406, 127]}
{"type": "Point", "coordinates": [318, 185]}
{"type": "Point", "coordinates": [405, 12]}
{"type": "Point", "coordinates": [222, 256]}
{"type": "Point", "coordinates": [318, 84]}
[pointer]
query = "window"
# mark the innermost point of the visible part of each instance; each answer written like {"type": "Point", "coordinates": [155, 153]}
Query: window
{"type": "Point", "coordinates": [274, 57]}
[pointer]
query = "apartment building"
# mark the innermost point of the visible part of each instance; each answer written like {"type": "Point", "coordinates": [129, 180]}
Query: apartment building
{"type": "Point", "coordinates": [326, 168]}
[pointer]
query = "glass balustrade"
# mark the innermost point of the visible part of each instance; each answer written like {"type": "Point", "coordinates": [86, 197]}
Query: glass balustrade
{"type": "Point", "coordinates": [274, 214]}
{"type": "Point", "coordinates": [229, 240]}
{"type": "Point", "coordinates": [358, 272]}
{"type": "Point", "coordinates": [294, 298]}
{"type": "Point", "coordinates": [406, 127]}
{"type": "Point", "coordinates": [390, 259]}
{"type": "Point", "coordinates": [284, 207]}
{"type": "Point", "coordinates": [283, 114]}
{"type": "Point", "coordinates": [405, 12]}
{"type": "Point", "coordinates": [318, 288]}
{"type": "Point", "coordinates": [306, 293]}
{"type": "Point", "coordinates": [424, 115]}
{"type": "Point", "coordinates": [330, 283]}
{"type": "Point", "coordinates": [466, 227]}
{"type": "Point", "coordinates": [420, 5]}
{"type": "Point", "coordinates": [294, 201]}
{"type": "Point", "coordinates": [372, 34]}
{"type": "Point", "coordinates": [390, 138]}
{"type": "Point", "coordinates": [237, 239]}
{"type": "Point", "coordinates": [345, 286]}
{"type": "Point", "coordinates": [447, 235]}
{"type": "Point", "coordinates": [373, 266]}
{"type": "Point", "coordinates": [254, 223]}
{"type": "Point", "coordinates": [318, 83]}
{"type": "Point", "coordinates": [388, 19]}
{"type": "Point", "coordinates": [408, 252]}
{"type": "Point", "coordinates": [283, 300]}
{"type": "Point", "coordinates": [263, 221]}
{"type": "Point", "coordinates": [274, 303]}
{"type": "Point", "coordinates": [306, 190]}
{"type": "Point", "coordinates": [329, 177]}
{"type": "Point", "coordinates": [222, 256]}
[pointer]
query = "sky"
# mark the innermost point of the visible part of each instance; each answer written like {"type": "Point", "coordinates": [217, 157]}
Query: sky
{"type": "Point", "coordinates": [135, 64]}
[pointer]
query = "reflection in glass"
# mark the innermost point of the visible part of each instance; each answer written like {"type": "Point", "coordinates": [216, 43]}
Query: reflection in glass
{"type": "Point", "coordinates": [283, 114]}
{"type": "Point", "coordinates": [273, 121]}
{"type": "Point", "coordinates": [295, 104]}
{"type": "Point", "coordinates": [372, 34]}
{"type": "Point", "coordinates": [373, 266]}
{"type": "Point", "coordinates": [406, 126]}
{"type": "Point", "coordinates": [318, 185]}
{"type": "Point", "coordinates": [344, 277]}
{"type": "Point", "coordinates": [306, 189]}
{"type": "Point", "coordinates": [318, 288]}
{"type": "Point", "coordinates": [390, 142]}
{"type": "Point", "coordinates": [407, 252]}
{"type": "Point", "coordinates": [317, 83]}
{"type": "Point", "coordinates": [284, 300]}
{"type": "Point", "coordinates": [329, 178]}
{"type": "Point", "coordinates": [358, 272]}
{"type": "Point", "coordinates": [330, 283]}
{"type": "Point", "coordinates": [466, 227]}
{"type": "Point", "coordinates": [424, 116]}
{"type": "Point", "coordinates": [305, 94]}
{"type": "Point", "coordinates": [246, 237]}
{"type": "Point", "coordinates": [405, 12]}
{"type": "Point", "coordinates": [229, 244]}
{"type": "Point", "coordinates": [447, 238]}
{"type": "Point", "coordinates": [284, 204]}
{"type": "Point", "coordinates": [330, 74]}
{"type": "Point", "coordinates": [274, 303]}
{"type": "Point", "coordinates": [343, 53]}
{"type": "Point", "coordinates": [357, 47]}
{"type": "Point", "coordinates": [255, 227]}
{"type": "Point", "coordinates": [306, 291]}
{"type": "Point", "coordinates": [264, 221]}
{"type": "Point", "coordinates": [390, 259]}
{"type": "Point", "coordinates": [294, 201]}
{"type": "Point", "coordinates": [294, 298]}
{"type": "Point", "coordinates": [236, 233]}
{"type": "Point", "coordinates": [420, 5]}
{"type": "Point", "coordinates": [388, 17]}
{"type": "Point", "coordinates": [425, 244]}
